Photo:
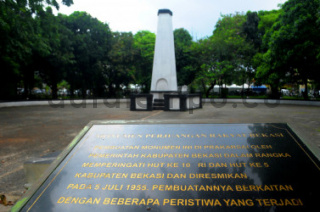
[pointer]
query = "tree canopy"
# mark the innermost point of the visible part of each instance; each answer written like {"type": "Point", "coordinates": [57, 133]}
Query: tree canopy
{"type": "Point", "coordinates": [292, 45]}
{"type": "Point", "coordinates": [79, 52]}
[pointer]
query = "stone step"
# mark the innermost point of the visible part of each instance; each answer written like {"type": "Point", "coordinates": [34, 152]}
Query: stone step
{"type": "Point", "coordinates": [159, 100]}
{"type": "Point", "coordinates": [158, 107]}
{"type": "Point", "coordinates": [158, 104]}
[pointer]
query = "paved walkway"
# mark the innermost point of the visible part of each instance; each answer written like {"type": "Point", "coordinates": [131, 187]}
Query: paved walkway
{"type": "Point", "coordinates": [33, 131]}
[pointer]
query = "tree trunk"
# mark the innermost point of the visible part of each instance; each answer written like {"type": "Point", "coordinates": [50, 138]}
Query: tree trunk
{"type": "Point", "coordinates": [84, 92]}
{"type": "Point", "coordinates": [111, 90]}
{"type": "Point", "coordinates": [305, 93]}
{"type": "Point", "coordinates": [54, 91]}
{"type": "Point", "coordinates": [71, 91]}
{"type": "Point", "coordinates": [204, 87]}
{"type": "Point", "coordinates": [26, 89]}
{"type": "Point", "coordinates": [28, 80]}
{"type": "Point", "coordinates": [274, 92]}
{"type": "Point", "coordinates": [209, 89]}
{"type": "Point", "coordinates": [242, 91]}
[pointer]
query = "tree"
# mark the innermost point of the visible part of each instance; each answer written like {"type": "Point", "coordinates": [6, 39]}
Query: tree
{"type": "Point", "coordinates": [252, 44]}
{"type": "Point", "coordinates": [222, 55]}
{"type": "Point", "coordinates": [184, 57]}
{"type": "Point", "coordinates": [262, 59]}
{"type": "Point", "coordinates": [266, 21]}
{"type": "Point", "coordinates": [144, 43]}
{"type": "Point", "coordinates": [120, 69]}
{"type": "Point", "coordinates": [207, 75]}
{"type": "Point", "coordinates": [16, 41]}
{"type": "Point", "coordinates": [269, 74]}
{"type": "Point", "coordinates": [91, 44]}
{"type": "Point", "coordinates": [19, 38]}
{"type": "Point", "coordinates": [250, 29]}
{"type": "Point", "coordinates": [55, 55]}
{"type": "Point", "coordinates": [294, 45]}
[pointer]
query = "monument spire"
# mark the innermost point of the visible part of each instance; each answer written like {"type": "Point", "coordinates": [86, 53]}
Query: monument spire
{"type": "Point", "coordinates": [164, 94]}
{"type": "Point", "coordinates": [164, 76]}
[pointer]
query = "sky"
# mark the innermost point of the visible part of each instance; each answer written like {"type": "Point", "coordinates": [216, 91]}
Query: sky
{"type": "Point", "coordinates": [197, 16]}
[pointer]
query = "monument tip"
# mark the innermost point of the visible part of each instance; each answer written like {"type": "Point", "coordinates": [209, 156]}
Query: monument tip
{"type": "Point", "coordinates": [163, 11]}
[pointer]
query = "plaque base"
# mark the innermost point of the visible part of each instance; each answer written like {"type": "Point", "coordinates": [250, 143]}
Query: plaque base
{"type": "Point", "coordinates": [118, 166]}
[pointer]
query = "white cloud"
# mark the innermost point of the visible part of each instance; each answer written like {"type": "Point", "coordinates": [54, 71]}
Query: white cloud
{"type": "Point", "coordinates": [197, 16]}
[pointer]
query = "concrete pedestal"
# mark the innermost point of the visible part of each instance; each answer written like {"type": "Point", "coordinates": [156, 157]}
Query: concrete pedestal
{"type": "Point", "coordinates": [182, 102]}
{"type": "Point", "coordinates": [141, 102]}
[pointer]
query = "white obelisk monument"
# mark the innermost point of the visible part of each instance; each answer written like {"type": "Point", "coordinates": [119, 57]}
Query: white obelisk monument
{"type": "Point", "coordinates": [164, 74]}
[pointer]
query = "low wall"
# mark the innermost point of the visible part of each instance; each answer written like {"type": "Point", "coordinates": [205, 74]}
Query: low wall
{"type": "Point", "coordinates": [182, 102]}
{"type": "Point", "coordinates": [141, 102]}
{"type": "Point", "coordinates": [60, 103]}
{"type": "Point", "coordinates": [112, 102]}
{"type": "Point", "coordinates": [271, 102]}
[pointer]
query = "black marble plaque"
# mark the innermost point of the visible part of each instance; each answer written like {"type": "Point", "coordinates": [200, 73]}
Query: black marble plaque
{"type": "Point", "coordinates": [183, 167]}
